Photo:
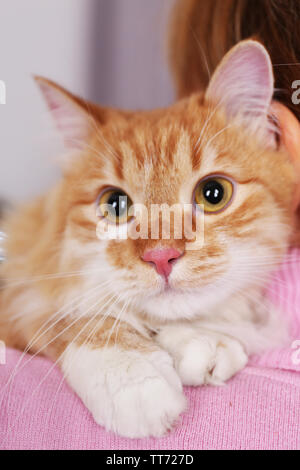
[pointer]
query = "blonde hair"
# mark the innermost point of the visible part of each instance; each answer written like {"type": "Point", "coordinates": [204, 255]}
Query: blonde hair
{"type": "Point", "coordinates": [202, 31]}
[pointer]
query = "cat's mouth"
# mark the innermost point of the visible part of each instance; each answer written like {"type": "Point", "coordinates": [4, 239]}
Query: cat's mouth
{"type": "Point", "coordinates": [168, 288]}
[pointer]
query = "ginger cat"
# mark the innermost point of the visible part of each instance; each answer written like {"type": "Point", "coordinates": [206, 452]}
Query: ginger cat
{"type": "Point", "coordinates": [130, 321]}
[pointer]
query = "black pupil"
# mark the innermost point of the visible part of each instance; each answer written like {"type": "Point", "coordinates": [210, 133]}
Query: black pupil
{"type": "Point", "coordinates": [118, 202]}
{"type": "Point", "coordinates": [213, 192]}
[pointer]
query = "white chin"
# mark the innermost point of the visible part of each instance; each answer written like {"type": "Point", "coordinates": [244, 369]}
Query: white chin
{"type": "Point", "coordinates": [172, 305]}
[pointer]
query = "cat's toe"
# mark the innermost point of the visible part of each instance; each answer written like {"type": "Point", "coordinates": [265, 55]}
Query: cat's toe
{"type": "Point", "coordinates": [210, 360]}
{"type": "Point", "coordinates": [230, 358]}
{"type": "Point", "coordinates": [150, 408]}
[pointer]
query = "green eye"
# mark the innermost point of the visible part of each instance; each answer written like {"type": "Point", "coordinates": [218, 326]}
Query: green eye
{"type": "Point", "coordinates": [214, 194]}
{"type": "Point", "coordinates": [114, 205]}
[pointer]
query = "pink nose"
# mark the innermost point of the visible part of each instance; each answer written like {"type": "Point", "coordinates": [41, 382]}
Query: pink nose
{"type": "Point", "coordinates": [162, 259]}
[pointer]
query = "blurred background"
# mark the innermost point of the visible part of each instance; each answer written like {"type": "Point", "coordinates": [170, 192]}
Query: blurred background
{"type": "Point", "coordinates": [109, 51]}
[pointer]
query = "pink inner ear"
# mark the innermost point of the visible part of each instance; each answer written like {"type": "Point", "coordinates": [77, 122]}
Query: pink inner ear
{"type": "Point", "coordinates": [244, 83]}
{"type": "Point", "coordinates": [70, 119]}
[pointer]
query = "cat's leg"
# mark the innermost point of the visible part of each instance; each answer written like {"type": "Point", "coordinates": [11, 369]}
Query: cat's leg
{"type": "Point", "coordinates": [127, 382]}
{"type": "Point", "coordinates": [202, 356]}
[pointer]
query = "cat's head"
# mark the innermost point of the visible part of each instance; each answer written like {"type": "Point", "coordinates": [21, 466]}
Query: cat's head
{"type": "Point", "coordinates": [216, 153]}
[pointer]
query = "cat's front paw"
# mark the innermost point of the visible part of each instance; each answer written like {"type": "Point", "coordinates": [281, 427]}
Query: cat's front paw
{"type": "Point", "coordinates": [210, 359]}
{"type": "Point", "coordinates": [202, 356]}
{"type": "Point", "coordinates": [131, 393]}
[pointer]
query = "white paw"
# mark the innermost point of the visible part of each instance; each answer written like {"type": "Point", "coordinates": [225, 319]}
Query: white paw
{"type": "Point", "coordinates": [201, 356]}
{"type": "Point", "coordinates": [210, 359]}
{"type": "Point", "coordinates": [132, 393]}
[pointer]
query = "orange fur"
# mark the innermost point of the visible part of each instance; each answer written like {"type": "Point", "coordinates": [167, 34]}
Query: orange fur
{"type": "Point", "coordinates": [66, 291]}
{"type": "Point", "coordinates": [155, 152]}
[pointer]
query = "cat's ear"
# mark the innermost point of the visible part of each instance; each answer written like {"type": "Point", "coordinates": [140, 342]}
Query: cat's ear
{"type": "Point", "coordinates": [243, 84]}
{"type": "Point", "coordinates": [70, 113]}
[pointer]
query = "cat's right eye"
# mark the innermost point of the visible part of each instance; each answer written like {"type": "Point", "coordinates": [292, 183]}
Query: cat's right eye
{"type": "Point", "coordinates": [113, 205]}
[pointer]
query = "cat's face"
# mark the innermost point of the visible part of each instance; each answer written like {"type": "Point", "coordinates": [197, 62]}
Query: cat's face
{"type": "Point", "coordinates": [218, 160]}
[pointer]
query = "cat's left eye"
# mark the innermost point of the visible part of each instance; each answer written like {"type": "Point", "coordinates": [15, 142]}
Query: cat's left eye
{"type": "Point", "coordinates": [113, 205]}
{"type": "Point", "coordinates": [214, 194]}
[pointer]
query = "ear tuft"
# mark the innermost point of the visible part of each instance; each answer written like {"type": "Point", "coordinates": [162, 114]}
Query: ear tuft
{"type": "Point", "coordinates": [69, 112]}
{"type": "Point", "coordinates": [243, 84]}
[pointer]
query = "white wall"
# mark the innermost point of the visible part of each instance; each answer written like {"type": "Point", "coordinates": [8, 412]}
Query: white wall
{"type": "Point", "coordinates": [49, 38]}
{"type": "Point", "coordinates": [130, 57]}
{"type": "Point", "coordinates": [112, 51]}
